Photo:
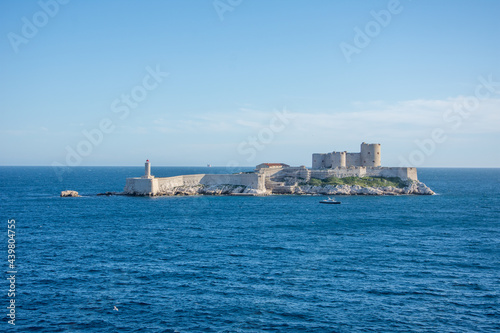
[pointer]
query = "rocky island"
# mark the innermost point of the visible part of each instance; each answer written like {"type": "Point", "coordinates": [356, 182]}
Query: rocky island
{"type": "Point", "coordinates": [335, 173]}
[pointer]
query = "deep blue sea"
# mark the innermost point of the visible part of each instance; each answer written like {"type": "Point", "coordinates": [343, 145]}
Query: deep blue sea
{"type": "Point", "coordinates": [249, 264]}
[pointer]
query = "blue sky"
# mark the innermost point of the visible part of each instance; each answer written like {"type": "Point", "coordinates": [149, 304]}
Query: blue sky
{"type": "Point", "coordinates": [240, 82]}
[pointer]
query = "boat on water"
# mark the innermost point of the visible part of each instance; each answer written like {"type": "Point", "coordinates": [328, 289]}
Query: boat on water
{"type": "Point", "coordinates": [330, 201]}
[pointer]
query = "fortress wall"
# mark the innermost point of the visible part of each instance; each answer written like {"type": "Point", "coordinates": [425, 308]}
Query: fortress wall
{"type": "Point", "coordinates": [403, 173]}
{"type": "Point", "coordinates": [382, 172]}
{"type": "Point", "coordinates": [318, 161]}
{"type": "Point", "coordinates": [412, 173]}
{"type": "Point", "coordinates": [154, 186]}
{"type": "Point", "coordinates": [255, 181]}
{"type": "Point", "coordinates": [328, 160]}
{"type": "Point", "coordinates": [297, 172]}
{"type": "Point", "coordinates": [407, 173]}
{"type": "Point", "coordinates": [338, 172]}
{"type": "Point", "coordinates": [337, 160]}
{"type": "Point", "coordinates": [270, 172]}
{"type": "Point", "coordinates": [353, 159]}
{"type": "Point", "coordinates": [140, 186]}
{"type": "Point", "coordinates": [169, 183]}
{"type": "Point", "coordinates": [245, 179]}
{"type": "Point", "coordinates": [192, 180]}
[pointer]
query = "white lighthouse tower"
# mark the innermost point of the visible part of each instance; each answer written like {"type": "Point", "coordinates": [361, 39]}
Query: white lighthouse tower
{"type": "Point", "coordinates": [147, 170]}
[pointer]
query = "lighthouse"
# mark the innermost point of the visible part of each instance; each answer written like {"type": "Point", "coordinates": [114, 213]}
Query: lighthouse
{"type": "Point", "coordinates": [147, 170]}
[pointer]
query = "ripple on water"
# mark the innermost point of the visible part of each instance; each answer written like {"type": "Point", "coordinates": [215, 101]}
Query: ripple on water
{"type": "Point", "coordinates": [233, 264]}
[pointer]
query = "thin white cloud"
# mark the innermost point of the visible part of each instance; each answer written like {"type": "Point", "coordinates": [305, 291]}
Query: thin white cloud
{"type": "Point", "coordinates": [401, 120]}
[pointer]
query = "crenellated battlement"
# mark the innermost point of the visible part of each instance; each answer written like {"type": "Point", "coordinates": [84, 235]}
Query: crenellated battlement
{"type": "Point", "coordinates": [369, 156]}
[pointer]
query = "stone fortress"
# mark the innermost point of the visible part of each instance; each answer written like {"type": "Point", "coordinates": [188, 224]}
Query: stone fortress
{"type": "Point", "coordinates": [270, 178]}
{"type": "Point", "coordinates": [366, 163]}
{"type": "Point", "coordinates": [368, 157]}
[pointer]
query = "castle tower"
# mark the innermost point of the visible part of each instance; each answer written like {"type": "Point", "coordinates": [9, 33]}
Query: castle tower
{"type": "Point", "coordinates": [343, 159]}
{"type": "Point", "coordinates": [338, 160]}
{"type": "Point", "coordinates": [147, 170]}
{"type": "Point", "coordinates": [370, 154]}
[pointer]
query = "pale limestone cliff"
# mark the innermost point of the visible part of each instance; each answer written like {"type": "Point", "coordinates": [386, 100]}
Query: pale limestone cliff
{"type": "Point", "coordinates": [417, 187]}
{"type": "Point", "coordinates": [69, 194]}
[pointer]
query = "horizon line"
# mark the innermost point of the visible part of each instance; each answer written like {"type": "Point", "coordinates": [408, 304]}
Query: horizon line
{"type": "Point", "coordinates": [240, 166]}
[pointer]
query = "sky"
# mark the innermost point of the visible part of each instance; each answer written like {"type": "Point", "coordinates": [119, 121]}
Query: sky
{"type": "Point", "coordinates": [242, 82]}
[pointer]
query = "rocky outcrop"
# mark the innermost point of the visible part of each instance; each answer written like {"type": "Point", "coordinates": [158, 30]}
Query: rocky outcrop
{"type": "Point", "coordinates": [69, 194]}
{"type": "Point", "coordinates": [110, 193]}
{"type": "Point", "coordinates": [415, 187]}
{"type": "Point", "coordinates": [418, 188]}
{"type": "Point", "coordinates": [223, 189]}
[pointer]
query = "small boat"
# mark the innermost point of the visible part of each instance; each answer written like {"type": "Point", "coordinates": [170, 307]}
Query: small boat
{"type": "Point", "coordinates": [330, 201]}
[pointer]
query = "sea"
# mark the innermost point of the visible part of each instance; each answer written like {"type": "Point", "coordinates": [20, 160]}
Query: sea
{"type": "Point", "coordinates": [280, 263]}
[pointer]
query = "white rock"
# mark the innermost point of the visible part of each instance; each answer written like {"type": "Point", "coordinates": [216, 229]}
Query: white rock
{"type": "Point", "coordinates": [69, 194]}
